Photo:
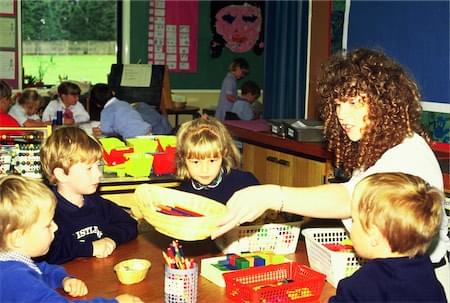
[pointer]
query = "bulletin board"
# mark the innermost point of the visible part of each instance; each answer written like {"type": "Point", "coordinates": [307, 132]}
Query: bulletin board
{"type": "Point", "coordinates": [9, 43]}
{"type": "Point", "coordinates": [415, 33]}
{"type": "Point", "coordinates": [210, 71]}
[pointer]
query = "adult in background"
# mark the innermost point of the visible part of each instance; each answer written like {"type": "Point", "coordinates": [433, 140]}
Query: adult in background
{"type": "Point", "coordinates": [371, 110]}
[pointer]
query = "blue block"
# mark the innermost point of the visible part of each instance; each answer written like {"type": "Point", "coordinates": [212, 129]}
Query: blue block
{"type": "Point", "coordinates": [259, 261]}
{"type": "Point", "coordinates": [223, 262]}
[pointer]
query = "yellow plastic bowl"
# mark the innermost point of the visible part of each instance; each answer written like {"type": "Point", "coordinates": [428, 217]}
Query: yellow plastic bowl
{"type": "Point", "coordinates": [132, 271]}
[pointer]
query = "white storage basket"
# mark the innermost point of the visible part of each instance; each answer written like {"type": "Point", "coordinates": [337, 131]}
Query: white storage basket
{"type": "Point", "coordinates": [335, 265]}
{"type": "Point", "coordinates": [280, 238]}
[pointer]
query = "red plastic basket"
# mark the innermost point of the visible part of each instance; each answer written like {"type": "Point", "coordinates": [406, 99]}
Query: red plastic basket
{"type": "Point", "coordinates": [287, 282]}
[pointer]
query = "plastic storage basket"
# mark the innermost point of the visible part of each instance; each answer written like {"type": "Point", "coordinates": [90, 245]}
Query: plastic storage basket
{"type": "Point", "coordinates": [287, 282]}
{"type": "Point", "coordinates": [280, 238]}
{"type": "Point", "coordinates": [148, 197]}
{"type": "Point", "coordinates": [335, 265]}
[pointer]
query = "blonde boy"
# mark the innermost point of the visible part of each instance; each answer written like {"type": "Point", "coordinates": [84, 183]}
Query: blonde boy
{"type": "Point", "coordinates": [89, 225]}
{"type": "Point", "coordinates": [396, 217]}
{"type": "Point", "coordinates": [26, 230]}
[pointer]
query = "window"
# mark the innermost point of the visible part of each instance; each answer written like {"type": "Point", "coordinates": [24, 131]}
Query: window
{"type": "Point", "coordinates": [68, 40]}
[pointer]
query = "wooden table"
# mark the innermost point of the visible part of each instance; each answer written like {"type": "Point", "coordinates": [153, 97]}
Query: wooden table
{"type": "Point", "coordinates": [101, 280]}
{"type": "Point", "coordinates": [187, 110]}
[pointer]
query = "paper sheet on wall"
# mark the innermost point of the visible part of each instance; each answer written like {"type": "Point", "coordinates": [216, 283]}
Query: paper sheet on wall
{"type": "Point", "coordinates": [6, 6]}
{"type": "Point", "coordinates": [173, 34]}
{"type": "Point", "coordinates": [7, 65]}
{"type": "Point", "coordinates": [7, 32]}
{"type": "Point", "coordinates": [136, 75]}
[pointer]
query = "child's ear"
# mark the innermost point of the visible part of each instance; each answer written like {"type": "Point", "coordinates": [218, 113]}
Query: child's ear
{"type": "Point", "coordinates": [59, 174]}
{"type": "Point", "coordinates": [15, 239]}
{"type": "Point", "coordinates": [375, 236]}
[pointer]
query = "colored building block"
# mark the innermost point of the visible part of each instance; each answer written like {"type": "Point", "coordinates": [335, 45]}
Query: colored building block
{"type": "Point", "coordinates": [251, 261]}
{"type": "Point", "coordinates": [258, 261]}
{"type": "Point", "coordinates": [232, 259]}
{"type": "Point", "coordinates": [241, 263]}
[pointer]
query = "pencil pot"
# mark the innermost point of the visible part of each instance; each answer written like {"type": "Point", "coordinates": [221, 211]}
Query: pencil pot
{"type": "Point", "coordinates": [180, 285]}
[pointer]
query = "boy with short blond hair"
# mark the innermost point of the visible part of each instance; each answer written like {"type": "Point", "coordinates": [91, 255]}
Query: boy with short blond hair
{"type": "Point", "coordinates": [26, 230]}
{"type": "Point", "coordinates": [396, 217]}
{"type": "Point", "coordinates": [89, 225]}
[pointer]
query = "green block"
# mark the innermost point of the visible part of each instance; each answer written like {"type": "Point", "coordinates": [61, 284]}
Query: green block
{"type": "Point", "coordinates": [242, 263]}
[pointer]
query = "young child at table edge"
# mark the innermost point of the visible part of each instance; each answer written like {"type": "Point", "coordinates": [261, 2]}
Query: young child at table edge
{"type": "Point", "coordinates": [117, 117]}
{"type": "Point", "coordinates": [238, 69]}
{"type": "Point", "coordinates": [6, 120]}
{"type": "Point", "coordinates": [395, 217]}
{"type": "Point", "coordinates": [26, 109]}
{"type": "Point", "coordinates": [207, 160]}
{"type": "Point", "coordinates": [27, 207]}
{"type": "Point", "coordinates": [89, 225]}
{"type": "Point", "coordinates": [250, 92]}
{"type": "Point", "coordinates": [67, 102]}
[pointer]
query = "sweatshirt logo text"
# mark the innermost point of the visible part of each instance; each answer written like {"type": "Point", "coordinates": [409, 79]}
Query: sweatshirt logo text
{"type": "Point", "coordinates": [89, 231]}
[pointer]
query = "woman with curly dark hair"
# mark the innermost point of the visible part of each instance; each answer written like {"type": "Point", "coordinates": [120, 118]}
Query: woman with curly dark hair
{"type": "Point", "coordinates": [371, 110]}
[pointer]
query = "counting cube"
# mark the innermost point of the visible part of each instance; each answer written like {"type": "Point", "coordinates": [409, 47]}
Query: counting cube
{"type": "Point", "coordinates": [241, 263]}
{"type": "Point", "coordinates": [258, 261]}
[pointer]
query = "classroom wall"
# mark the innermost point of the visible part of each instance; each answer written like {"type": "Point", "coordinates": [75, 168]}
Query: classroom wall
{"type": "Point", "coordinates": [210, 71]}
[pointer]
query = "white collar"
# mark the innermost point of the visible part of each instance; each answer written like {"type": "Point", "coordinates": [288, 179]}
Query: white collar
{"type": "Point", "coordinates": [110, 101]}
{"type": "Point", "coordinates": [18, 257]}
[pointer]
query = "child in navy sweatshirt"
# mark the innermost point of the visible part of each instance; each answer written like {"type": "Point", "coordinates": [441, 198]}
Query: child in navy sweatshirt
{"type": "Point", "coordinates": [396, 217]}
{"type": "Point", "coordinates": [89, 225]}
{"type": "Point", "coordinates": [27, 228]}
{"type": "Point", "coordinates": [208, 160]}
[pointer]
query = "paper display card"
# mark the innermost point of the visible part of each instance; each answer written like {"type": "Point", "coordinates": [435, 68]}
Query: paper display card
{"type": "Point", "coordinates": [136, 75]}
{"type": "Point", "coordinates": [7, 7]}
{"type": "Point", "coordinates": [7, 65]}
{"type": "Point", "coordinates": [7, 32]}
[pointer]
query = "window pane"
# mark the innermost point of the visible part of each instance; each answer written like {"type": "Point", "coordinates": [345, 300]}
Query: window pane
{"type": "Point", "coordinates": [74, 40]}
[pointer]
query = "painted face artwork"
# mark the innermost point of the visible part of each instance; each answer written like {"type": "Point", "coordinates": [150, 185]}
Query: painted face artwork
{"type": "Point", "coordinates": [240, 26]}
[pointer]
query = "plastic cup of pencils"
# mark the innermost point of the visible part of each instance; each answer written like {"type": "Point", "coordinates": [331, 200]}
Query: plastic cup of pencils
{"type": "Point", "coordinates": [180, 285]}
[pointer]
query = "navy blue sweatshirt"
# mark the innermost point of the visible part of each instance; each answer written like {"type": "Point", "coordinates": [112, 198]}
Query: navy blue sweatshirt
{"type": "Point", "coordinates": [392, 280]}
{"type": "Point", "coordinates": [79, 227]}
{"type": "Point", "coordinates": [231, 182]}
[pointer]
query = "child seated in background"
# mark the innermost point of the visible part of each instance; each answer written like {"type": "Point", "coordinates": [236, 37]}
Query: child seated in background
{"type": "Point", "coordinates": [6, 120]}
{"type": "Point", "coordinates": [67, 102]}
{"type": "Point", "coordinates": [250, 91]}
{"type": "Point", "coordinates": [395, 217]}
{"type": "Point", "coordinates": [117, 117]}
{"type": "Point", "coordinates": [89, 225]}
{"type": "Point", "coordinates": [26, 109]}
{"type": "Point", "coordinates": [208, 160]}
{"type": "Point", "coordinates": [27, 207]}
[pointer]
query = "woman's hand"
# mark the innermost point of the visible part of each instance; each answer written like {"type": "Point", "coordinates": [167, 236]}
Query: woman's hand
{"type": "Point", "coordinates": [248, 204]}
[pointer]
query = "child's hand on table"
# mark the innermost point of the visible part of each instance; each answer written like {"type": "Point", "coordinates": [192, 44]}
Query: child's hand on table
{"type": "Point", "coordinates": [69, 121]}
{"type": "Point", "coordinates": [103, 247]}
{"type": "Point", "coordinates": [126, 298]}
{"type": "Point", "coordinates": [74, 287]}
{"type": "Point", "coordinates": [96, 131]}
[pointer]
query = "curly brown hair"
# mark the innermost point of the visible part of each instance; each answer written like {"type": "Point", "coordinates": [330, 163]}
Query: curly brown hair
{"type": "Point", "coordinates": [391, 94]}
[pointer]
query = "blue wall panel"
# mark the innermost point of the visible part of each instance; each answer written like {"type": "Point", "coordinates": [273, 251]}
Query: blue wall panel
{"type": "Point", "coordinates": [415, 33]}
